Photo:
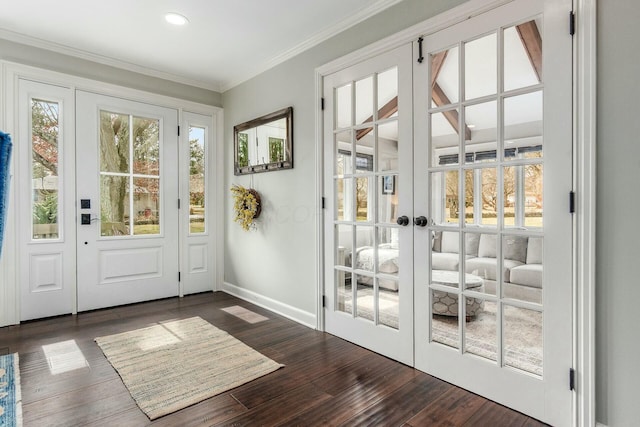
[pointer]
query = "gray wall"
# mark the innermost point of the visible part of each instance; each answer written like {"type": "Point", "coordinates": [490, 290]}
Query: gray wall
{"type": "Point", "coordinates": [618, 251]}
{"type": "Point", "coordinates": [278, 260]}
{"type": "Point", "coordinates": [16, 52]}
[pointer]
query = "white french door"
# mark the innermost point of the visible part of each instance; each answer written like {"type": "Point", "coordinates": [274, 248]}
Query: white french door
{"type": "Point", "coordinates": [493, 173]}
{"type": "Point", "coordinates": [127, 199]}
{"type": "Point", "coordinates": [367, 131]}
{"type": "Point", "coordinates": [476, 288]}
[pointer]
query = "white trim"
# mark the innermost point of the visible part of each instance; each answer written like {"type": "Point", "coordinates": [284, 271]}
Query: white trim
{"type": "Point", "coordinates": [218, 196]}
{"type": "Point", "coordinates": [303, 317]}
{"type": "Point", "coordinates": [373, 9]}
{"type": "Point", "coordinates": [585, 104]}
{"type": "Point", "coordinates": [319, 125]}
{"type": "Point", "coordinates": [11, 72]}
{"type": "Point", "coordinates": [104, 60]}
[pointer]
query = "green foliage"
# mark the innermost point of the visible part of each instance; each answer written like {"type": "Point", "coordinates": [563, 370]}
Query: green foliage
{"type": "Point", "coordinates": [276, 150]}
{"type": "Point", "coordinates": [197, 157]}
{"type": "Point", "coordinates": [46, 210]}
{"type": "Point", "coordinates": [243, 150]}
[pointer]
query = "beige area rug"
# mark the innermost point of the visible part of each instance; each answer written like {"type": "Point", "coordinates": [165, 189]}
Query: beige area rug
{"type": "Point", "coordinates": [174, 364]}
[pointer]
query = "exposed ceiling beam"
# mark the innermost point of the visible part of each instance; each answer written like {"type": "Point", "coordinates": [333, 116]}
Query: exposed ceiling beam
{"type": "Point", "coordinates": [440, 98]}
{"type": "Point", "coordinates": [387, 110]}
{"type": "Point", "coordinates": [532, 42]}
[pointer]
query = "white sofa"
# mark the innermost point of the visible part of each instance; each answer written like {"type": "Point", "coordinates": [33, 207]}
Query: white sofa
{"type": "Point", "coordinates": [522, 261]}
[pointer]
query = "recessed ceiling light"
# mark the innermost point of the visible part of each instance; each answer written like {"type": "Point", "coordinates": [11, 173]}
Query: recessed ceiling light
{"type": "Point", "coordinates": [175, 18]}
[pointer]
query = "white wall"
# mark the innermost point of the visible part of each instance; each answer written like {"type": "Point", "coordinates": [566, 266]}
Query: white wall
{"type": "Point", "coordinates": [618, 235]}
{"type": "Point", "coordinates": [278, 260]}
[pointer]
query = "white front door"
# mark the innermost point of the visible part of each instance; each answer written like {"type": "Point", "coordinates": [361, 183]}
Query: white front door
{"type": "Point", "coordinates": [127, 200]}
{"type": "Point", "coordinates": [493, 162]}
{"type": "Point", "coordinates": [368, 184]}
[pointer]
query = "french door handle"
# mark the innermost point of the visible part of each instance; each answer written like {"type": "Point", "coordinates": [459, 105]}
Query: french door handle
{"type": "Point", "coordinates": [403, 220]}
{"type": "Point", "coordinates": [420, 221]}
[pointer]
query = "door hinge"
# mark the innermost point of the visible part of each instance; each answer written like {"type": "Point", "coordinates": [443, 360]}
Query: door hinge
{"type": "Point", "coordinates": [572, 379]}
{"type": "Point", "coordinates": [178, 203]}
{"type": "Point", "coordinates": [322, 104]}
{"type": "Point", "coordinates": [572, 23]}
{"type": "Point", "coordinates": [178, 276]}
{"type": "Point", "coordinates": [178, 130]}
{"type": "Point", "coordinates": [324, 205]}
{"type": "Point", "coordinates": [324, 301]}
{"type": "Point", "coordinates": [572, 202]}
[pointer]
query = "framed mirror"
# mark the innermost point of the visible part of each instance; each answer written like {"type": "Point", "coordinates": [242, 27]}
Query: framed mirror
{"type": "Point", "coordinates": [264, 144]}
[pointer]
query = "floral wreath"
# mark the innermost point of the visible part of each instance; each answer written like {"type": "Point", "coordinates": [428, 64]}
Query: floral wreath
{"type": "Point", "coordinates": [246, 205]}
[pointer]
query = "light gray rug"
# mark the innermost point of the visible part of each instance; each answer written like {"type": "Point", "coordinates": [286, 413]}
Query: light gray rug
{"type": "Point", "coordinates": [522, 334]}
{"type": "Point", "coordinates": [174, 364]}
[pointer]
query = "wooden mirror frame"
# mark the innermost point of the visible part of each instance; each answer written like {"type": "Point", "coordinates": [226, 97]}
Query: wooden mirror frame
{"type": "Point", "coordinates": [285, 163]}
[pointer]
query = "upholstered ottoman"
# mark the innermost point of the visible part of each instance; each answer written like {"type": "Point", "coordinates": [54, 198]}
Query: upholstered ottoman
{"type": "Point", "coordinates": [446, 304]}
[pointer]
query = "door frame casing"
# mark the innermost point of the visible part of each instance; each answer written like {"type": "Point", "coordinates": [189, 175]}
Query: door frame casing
{"type": "Point", "coordinates": [10, 74]}
{"type": "Point", "coordinates": [584, 103]}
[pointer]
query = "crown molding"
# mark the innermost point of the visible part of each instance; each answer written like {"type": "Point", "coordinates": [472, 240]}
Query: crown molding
{"type": "Point", "coordinates": [104, 60]}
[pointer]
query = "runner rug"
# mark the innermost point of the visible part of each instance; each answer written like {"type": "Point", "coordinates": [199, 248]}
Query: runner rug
{"type": "Point", "coordinates": [10, 399]}
{"type": "Point", "coordinates": [174, 364]}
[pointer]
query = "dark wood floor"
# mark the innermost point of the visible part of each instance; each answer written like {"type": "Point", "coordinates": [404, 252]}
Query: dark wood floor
{"type": "Point", "coordinates": [326, 381]}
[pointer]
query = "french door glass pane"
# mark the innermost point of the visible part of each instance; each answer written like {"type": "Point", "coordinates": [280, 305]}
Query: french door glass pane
{"type": "Point", "coordinates": [344, 106]}
{"type": "Point", "coordinates": [481, 332]}
{"type": "Point", "coordinates": [388, 199]}
{"type": "Point", "coordinates": [344, 295]}
{"type": "Point", "coordinates": [444, 137]}
{"type": "Point", "coordinates": [114, 142]}
{"type": "Point", "coordinates": [364, 199]}
{"type": "Point", "coordinates": [444, 318]}
{"type": "Point", "coordinates": [480, 67]}
{"type": "Point", "coordinates": [344, 158]}
{"type": "Point", "coordinates": [388, 93]}
{"type": "Point", "coordinates": [197, 185]}
{"type": "Point", "coordinates": [45, 152]}
{"type": "Point", "coordinates": [364, 100]}
{"type": "Point", "coordinates": [444, 77]}
{"type": "Point", "coordinates": [523, 339]}
{"type": "Point", "coordinates": [481, 122]}
{"type": "Point", "coordinates": [533, 195]}
{"type": "Point", "coordinates": [344, 239]}
{"type": "Point", "coordinates": [114, 205]}
{"type": "Point", "coordinates": [523, 124]}
{"type": "Point", "coordinates": [388, 302]}
{"type": "Point", "coordinates": [388, 146]}
{"type": "Point", "coordinates": [522, 55]}
{"type": "Point", "coordinates": [146, 146]}
{"type": "Point", "coordinates": [146, 206]}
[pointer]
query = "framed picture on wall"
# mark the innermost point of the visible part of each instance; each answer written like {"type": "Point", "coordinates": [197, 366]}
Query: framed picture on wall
{"type": "Point", "coordinates": [388, 184]}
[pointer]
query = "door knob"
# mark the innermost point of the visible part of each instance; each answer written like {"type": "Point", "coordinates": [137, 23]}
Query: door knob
{"type": "Point", "coordinates": [403, 220]}
{"type": "Point", "coordinates": [420, 221]}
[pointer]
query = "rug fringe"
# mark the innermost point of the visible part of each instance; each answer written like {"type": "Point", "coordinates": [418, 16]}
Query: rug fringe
{"type": "Point", "coordinates": [18, 389]}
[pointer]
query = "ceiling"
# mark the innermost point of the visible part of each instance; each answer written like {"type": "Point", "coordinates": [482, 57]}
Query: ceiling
{"type": "Point", "coordinates": [225, 42]}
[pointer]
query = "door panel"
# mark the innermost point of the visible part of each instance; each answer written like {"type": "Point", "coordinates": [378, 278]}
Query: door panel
{"type": "Point", "coordinates": [367, 227]}
{"type": "Point", "coordinates": [493, 162]}
{"type": "Point", "coordinates": [46, 156]}
{"type": "Point", "coordinates": [196, 151]}
{"type": "Point", "coordinates": [128, 177]}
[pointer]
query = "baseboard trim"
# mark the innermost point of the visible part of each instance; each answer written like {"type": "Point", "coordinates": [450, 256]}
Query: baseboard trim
{"type": "Point", "coordinates": [303, 317]}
